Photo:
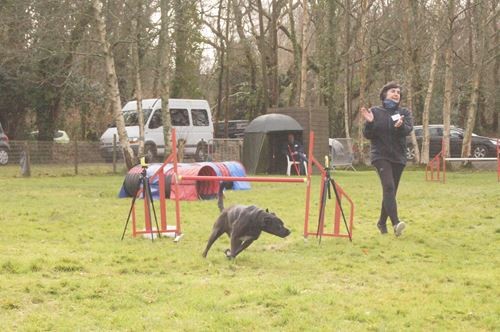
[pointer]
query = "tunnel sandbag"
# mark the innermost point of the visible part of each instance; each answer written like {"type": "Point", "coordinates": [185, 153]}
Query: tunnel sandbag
{"type": "Point", "coordinates": [131, 183]}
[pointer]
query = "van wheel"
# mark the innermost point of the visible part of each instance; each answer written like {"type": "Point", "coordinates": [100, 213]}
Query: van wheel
{"type": "Point", "coordinates": [201, 153]}
{"type": "Point", "coordinates": [150, 153]}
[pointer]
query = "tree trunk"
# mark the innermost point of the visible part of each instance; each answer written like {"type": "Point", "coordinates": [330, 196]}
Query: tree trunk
{"type": "Point", "coordinates": [273, 57]}
{"type": "Point", "coordinates": [478, 43]}
{"type": "Point", "coordinates": [164, 46]}
{"type": "Point", "coordinates": [226, 76]}
{"type": "Point", "coordinates": [448, 78]}
{"type": "Point", "coordinates": [186, 36]}
{"type": "Point", "coordinates": [136, 50]}
{"type": "Point", "coordinates": [411, 69]}
{"type": "Point", "coordinates": [295, 70]}
{"type": "Point", "coordinates": [495, 105]}
{"type": "Point", "coordinates": [238, 18]}
{"type": "Point", "coordinates": [427, 105]}
{"type": "Point", "coordinates": [347, 74]}
{"type": "Point", "coordinates": [261, 41]}
{"type": "Point", "coordinates": [363, 32]}
{"type": "Point", "coordinates": [414, 18]}
{"type": "Point", "coordinates": [303, 63]}
{"type": "Point", "coordinates": [112, 85]}
{"type": "Point", "coordinates": [221, 54]}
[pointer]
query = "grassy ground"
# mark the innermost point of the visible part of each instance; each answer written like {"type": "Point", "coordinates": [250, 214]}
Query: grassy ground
{"type": "Point", "coordinates": [63, 266]}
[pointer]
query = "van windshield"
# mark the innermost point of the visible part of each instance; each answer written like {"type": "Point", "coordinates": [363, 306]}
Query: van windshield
{"type": "Point", "coordinates": [131, 118]}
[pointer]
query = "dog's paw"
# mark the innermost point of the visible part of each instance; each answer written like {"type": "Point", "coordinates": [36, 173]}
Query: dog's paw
{"type": "Point", "coordinates": [228, 254]}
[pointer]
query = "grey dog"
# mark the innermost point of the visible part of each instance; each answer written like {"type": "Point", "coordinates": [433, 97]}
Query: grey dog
{"type": "Point", "coordinates": [243, 224]}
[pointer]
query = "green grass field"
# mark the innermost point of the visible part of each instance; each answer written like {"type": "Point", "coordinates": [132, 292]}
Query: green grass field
{"type": "Point", "coordinates": [64, 268]}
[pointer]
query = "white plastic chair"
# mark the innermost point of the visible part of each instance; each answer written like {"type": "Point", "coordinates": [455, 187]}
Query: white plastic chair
{"type": "Point", "coordinates": [290, 163]}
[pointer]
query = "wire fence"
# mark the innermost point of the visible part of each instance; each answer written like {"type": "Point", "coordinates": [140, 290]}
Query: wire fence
{"type": "Point", "coordinates": [40, 158]}
{"type": "Point", "coordinates": [341, 152]}
{"type": "Point", "coordinates": [225, 149]}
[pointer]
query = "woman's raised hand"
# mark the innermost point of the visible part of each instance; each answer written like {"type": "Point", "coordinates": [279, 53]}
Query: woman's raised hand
{"type": "Point", "coordinates": [367, 114]}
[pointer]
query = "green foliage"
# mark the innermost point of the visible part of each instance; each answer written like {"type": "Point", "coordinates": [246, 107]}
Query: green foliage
{"type": "Point", "coordinates": [187, 37]}
{"type": "Point", "coordinates": [63, 266]}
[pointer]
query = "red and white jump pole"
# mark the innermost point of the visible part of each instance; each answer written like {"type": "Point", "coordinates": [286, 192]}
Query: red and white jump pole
{"type": "Point", "coordinates": [241, 178]}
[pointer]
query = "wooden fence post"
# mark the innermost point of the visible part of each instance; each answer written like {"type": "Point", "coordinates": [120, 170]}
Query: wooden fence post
{"type": "Point", "coordinates": [76, 157]}
{"type": "Point", "coordinates": [114, 153]}
{"type": "Point", "coordinates": [25, 161]}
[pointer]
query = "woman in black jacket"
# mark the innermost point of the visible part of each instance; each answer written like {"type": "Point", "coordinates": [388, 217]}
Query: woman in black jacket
{"type": "Point", "coordinates": [386, 127]}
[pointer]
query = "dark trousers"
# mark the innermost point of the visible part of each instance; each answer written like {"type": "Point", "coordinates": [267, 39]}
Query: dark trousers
{"type": "Point", "coordinates": [390, 174]}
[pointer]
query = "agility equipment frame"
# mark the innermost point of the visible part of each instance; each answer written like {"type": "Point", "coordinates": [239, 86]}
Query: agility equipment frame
{"type": "Point", "coordinates": [437, 165]}
{"type": "Point", "coordinates": [177, 179]}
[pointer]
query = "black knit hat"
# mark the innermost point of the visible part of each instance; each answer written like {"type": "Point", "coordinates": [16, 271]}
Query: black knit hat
{"type": "Point", "coordinates": [390, 85]}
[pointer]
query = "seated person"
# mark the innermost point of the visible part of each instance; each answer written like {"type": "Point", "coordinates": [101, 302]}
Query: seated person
{"type": "Point", "coordinates": [295, 151]}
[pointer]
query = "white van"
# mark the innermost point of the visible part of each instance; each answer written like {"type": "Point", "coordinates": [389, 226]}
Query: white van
{"type": "Point", "coordinates": [191, 119]}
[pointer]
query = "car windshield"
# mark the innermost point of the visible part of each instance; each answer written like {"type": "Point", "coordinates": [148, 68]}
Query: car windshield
{"type": "Point", "coordinates": [131, 118]}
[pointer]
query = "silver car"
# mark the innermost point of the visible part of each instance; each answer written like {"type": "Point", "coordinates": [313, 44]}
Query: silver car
{"type": "Point", "coordinates": [4, 147]}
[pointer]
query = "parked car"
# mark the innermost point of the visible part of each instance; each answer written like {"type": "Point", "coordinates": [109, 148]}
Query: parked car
{"type": "Point", "coordinates": [60, 136]}
{"type": "Point", "coordinates": [235, 128]}
{"type": "Point", "coordinates": [4, 147]}
{"type": "Point", "coordinates": [482, 147]}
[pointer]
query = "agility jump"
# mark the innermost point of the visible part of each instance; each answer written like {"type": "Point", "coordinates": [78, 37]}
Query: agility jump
{"type": "Point", "coordinates": [437, 165]}
{"type": "Point", "coordinates": [177, 179]}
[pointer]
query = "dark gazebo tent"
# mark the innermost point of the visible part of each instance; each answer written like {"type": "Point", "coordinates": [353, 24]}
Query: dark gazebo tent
{"type": "Point", "coordinates": [264, 146]}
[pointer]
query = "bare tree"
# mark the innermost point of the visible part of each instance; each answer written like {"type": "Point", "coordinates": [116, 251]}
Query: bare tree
{"type": "Point", "coordinates": [478, 45]}
{"type": "Point", "coordinates": [221, 57]}
{"type": "Point", "coordinates": [347, 67]}
{"type": "Point", "coordinates": [276, 8]}
{"type": "Point", "coordinates": [448, 76]}
{"type": "Point", "coordinates": [303, 64]}
{"type": "Point", "coordinates": [263, 49]}
{"type": "Point", "coordinates": [137, 58]}
{"type": "Point", "coordinates": [226, 76]}
{"type": "Point", "coordinates": [363, 47]}
{"type": "Point", "coordinates": [164, 50]}
{"type": "Point", "coordinates": [410, 51]}
{"type": "Point", "coordinates": [296, 52]}
{"type": "Point", "coordinates": [427, 104]}
{"type": "Point", "coordinates": [247, 48]}
{"type": "Point", "coordinates": [494, 104]}
{"type": "Point", "coordinates": [112, 84]}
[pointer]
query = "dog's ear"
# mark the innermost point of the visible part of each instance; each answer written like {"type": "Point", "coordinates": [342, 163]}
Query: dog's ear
{"type": "Point", "coordinates": [267, 210]}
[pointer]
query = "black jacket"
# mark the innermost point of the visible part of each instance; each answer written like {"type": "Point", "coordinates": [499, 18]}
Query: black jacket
{"type": "Point", "coordinates": [387, 141]}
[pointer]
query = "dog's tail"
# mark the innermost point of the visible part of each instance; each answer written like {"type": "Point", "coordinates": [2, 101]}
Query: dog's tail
{"type": "Point", "coordinates": [220, 201]}
{"type": "Point", "coordinates": [223, 185]}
